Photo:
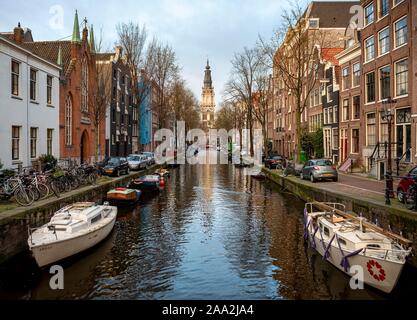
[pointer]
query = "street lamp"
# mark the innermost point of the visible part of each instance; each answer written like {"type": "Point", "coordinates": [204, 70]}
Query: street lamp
{"type": "Point", "coordinates": [387, 114]}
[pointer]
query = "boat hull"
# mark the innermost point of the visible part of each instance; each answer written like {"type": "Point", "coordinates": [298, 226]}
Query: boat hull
{"type": "Point", "coordinates": [57, 251]}
{"type": "Point", "coordinates": [377, 272]}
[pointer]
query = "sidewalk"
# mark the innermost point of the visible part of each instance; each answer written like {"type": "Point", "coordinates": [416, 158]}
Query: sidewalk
{"type": "Point", "coordinates": [364, 183]}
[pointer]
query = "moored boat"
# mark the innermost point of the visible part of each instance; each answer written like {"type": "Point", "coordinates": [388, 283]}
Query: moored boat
{"type": "Point", "coordinates": [123, 196]}
{"type": "Point", "coordinates": [346, 240]}
{"type": "Point", "coordinates": [71, 230]}
{"type": "Point", "coordinates": [147, 183]}
{"type": "Point", "coordinates": [164, 173]}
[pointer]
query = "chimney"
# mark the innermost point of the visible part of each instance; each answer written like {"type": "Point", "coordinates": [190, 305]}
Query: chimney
{"type": "Point", "coordinates": [19, 34]}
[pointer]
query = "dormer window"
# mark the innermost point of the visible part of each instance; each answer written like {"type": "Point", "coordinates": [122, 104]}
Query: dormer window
{"type": "Point", "coordinates": [313, 23]}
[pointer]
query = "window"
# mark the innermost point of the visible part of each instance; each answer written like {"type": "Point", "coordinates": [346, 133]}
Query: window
{"type": "Point", "coordinates": [369, 14]}
{"type": "Point", "coordinates": [335, 138]}
{"type": "Point", "coordinates": [314, 23]}
{"type": "Point", "coordinates": [33, 142]}
{"type": "Point", "coordinates": [49, 136]}
{"type": "Point", "coordinates": [355, 140]}
{"type": "Point", "coordinates": [345, 110]}
{"type": "Point", "coordinates": [15, 142]}
{"type": "Point", "coordinates": [15, 78]}
{"type": "Point", "coordinates": [384, 82]}
{"type": "Point", "coordinates": [370, 129]}
{"type": "Point", "coordinates": [384, 41]}
{"type": "Point", "coordinates": [326, 116]}
{"type": "Point", "coordinates": [49, 90]}
{"type": "Point", "coordinates": [356, 107]}
{"type": "Point", "coordinates": [356, 74]}
{"type": "Point", "coordinates": [68, 121]}
{"type": "Point", "coordinates": [84, 85]}
{"type": "Point", "coordinates": [401, 32]}
{"type": "Point", "coordinates": [345, 75]}
{"type": "Point", "coordinates": [401, 78]}
{"type": "Point", "coordinates": [335, 114]}
{"type": "Point", "coordinates": [33, 75]}
{"type": "Point", "coordinates": [329, 93]}
{"type": "Point", "coordinates": [369, 48]}
{"type": "Point", "coordinates": [96, 219]}
{"type": "Point", "coordinates": [370, 87]}
{"type": "Point", "coordinates": [330, 115]}
{"type": "Point", "coordinates": [383, 8]}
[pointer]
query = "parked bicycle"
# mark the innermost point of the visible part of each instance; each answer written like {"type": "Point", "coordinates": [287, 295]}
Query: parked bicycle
{"type": "Point", "coordinates": [290, 170]}
{"type": "Point", "coordinates": [410, 197]}
{"type": "Point", "coordinates": [15, 187]}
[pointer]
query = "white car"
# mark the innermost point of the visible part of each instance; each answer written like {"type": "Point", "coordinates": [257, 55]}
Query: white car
{"type": "Point", "coordinates": [137, 162]}
{"type": "Point", "coordinates": [150, 156]}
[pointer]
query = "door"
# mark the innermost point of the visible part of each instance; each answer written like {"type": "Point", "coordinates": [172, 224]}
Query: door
{"type": "Point", "coordinates": [343, 144]}
{"type": "Point", "coordinates": [403, 134]}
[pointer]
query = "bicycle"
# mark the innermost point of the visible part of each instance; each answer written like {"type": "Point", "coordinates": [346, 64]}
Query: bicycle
{"type": "Point", "coordinates": [290, 169]}
{"type": "Point", "coordinates": [410, 197]}
{"type": "Point", "coordinates": [14, 187]}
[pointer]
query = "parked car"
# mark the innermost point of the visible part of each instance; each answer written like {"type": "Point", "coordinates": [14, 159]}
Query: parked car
{"type": "Point", "coordinates": [137, 162]}
{"type": "Point", "coordinates": [319, 169]}
{"type": "Point", "coordinates": [116, 166]}
{"type": "Point", "coordinates": [275, 162]}
{"type": "Point", "coordinates": [150, 156]}
{"type": "Point", "coordinates": [405, 184]}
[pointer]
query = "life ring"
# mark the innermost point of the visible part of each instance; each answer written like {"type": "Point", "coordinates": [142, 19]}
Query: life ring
{"type": "Point", "coordinates": [376, 270]}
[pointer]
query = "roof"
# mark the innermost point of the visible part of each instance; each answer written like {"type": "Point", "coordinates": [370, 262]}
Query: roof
{"type": "Point", "coordinates": [49, 51]}
{"type": "Point", "coordinates": [24, 46]}
{"type": "Point", "coordinates": [328, 54]}
{"type": "Point", "coordinates": [332, 14]}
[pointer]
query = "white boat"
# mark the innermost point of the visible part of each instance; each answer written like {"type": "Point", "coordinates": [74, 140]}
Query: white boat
{"type": "Point", "coordinates": [71, 230]}
{"type": "Point", "coordinates": [345, 241]}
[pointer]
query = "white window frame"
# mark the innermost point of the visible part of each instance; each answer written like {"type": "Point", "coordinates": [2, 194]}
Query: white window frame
{"type": "Point", "coordinates": [395, 77]}
{"type": "Point", "coordinates": [364, 15]}
{"type": "Point", "coordinates": [395, 32]}
{"type": "Point", "coordinates": [353, 74]}
{"type": "Point", "coordinates": [366, 49]}
{"type": "Point", "coordinates": [380, 54]}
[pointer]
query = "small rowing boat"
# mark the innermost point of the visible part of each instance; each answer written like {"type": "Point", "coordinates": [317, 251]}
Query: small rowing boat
{"type": "Point", "coordinates": [123, 196]}
{"type": "Point", "coordinates": [346, 240]}
{"type": "Point", "coordinates": [149, 183]}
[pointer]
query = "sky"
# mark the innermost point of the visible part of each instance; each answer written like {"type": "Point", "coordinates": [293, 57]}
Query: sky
{"type": "Point", "coordinates": [196, 30]}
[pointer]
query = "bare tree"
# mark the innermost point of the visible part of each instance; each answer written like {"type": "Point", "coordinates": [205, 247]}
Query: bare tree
{"type": "Point", "coordinates": [292, 53]}
{"type": "Point", "coordinates": [132, 38]}
{"type": "Point", "coordinates": [241, 86]}
{"type": "Point", "coordinates": [165, 72]}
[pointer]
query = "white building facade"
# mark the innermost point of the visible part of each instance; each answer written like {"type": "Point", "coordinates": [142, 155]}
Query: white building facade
{"type": "Point", "coordinates": [29, 106]}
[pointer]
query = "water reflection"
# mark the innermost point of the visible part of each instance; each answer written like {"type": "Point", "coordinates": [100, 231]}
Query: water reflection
{"type": "Point", "coordinates": [213, 233]}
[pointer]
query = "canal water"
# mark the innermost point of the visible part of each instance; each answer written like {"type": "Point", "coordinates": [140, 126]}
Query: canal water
{"type": "Point", "coordinates": [213, 233]}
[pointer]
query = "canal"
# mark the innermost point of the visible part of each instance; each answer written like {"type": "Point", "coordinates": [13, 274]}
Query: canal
{"type": "Point", "coordinates": [213, 233]}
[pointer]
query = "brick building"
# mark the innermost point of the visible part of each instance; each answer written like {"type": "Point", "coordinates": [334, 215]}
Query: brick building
{"type": "Point", "coordinates": [77, 82]}
{"type": "Point", "coordinates": [121, 115]}
{"type": "Point", "coordinates": [388, 70]}
{"type": "Point", "coordinates": [329, 19]}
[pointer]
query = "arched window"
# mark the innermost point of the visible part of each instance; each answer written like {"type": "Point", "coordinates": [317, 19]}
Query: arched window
{"type": "Point", "coordinates": [68, 121]}
{"type": "Point", "coordinates": [84, 85]}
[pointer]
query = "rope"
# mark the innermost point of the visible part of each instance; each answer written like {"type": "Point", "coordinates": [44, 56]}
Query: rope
{"type": "Point", "coordinates": [345, 259]}
{"type": "Point", "coordinates": [326, 254]}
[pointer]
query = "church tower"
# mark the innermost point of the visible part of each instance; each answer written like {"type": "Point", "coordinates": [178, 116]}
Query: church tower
{"type": "Point", "coordinates": [208, 105]}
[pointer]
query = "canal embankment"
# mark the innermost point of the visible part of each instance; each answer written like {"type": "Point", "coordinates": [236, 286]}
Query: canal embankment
{"type": "Point", "coordinates": [366, 202]}
{"type": "Point", "coordinates": [15, 223]}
